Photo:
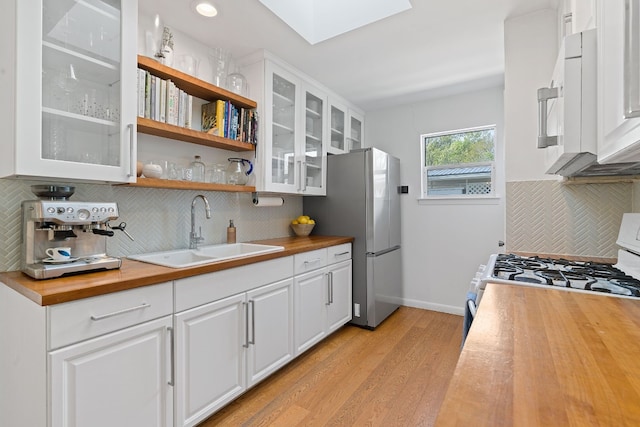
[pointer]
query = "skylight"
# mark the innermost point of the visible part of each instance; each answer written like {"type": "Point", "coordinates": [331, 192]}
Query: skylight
{"type": "Point", "coordinates": [319, 20]}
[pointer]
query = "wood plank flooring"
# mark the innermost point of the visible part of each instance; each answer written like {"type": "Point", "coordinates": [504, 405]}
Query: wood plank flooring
{"type": "Point", "coordinates": [396, 375]}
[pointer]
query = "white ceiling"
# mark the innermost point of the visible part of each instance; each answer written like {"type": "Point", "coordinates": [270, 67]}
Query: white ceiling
{"type": "Point", "coordinates": [435, 48]}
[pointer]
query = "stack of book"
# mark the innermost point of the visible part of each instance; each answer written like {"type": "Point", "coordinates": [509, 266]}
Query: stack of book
{"type": "Point", "coordinates": [224, 119]}
{"type": "Point", "coordinates": [161, 100]}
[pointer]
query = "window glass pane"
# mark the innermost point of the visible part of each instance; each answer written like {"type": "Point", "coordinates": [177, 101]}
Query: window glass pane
{"type": "Point", "coordinates": [455, 148]}
{"type": "Point", "coordinates": [459, 163]}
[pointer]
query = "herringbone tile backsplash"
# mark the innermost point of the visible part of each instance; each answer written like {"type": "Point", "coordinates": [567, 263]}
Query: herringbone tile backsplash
{"type": "Point", "coordinates": [555, 218]}
{"type": "Point", "coordinates": [157, 219]}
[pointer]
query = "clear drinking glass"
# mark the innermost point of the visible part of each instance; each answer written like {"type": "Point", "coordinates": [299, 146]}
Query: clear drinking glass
{"type": "Point", "coordinates": [219, 58]}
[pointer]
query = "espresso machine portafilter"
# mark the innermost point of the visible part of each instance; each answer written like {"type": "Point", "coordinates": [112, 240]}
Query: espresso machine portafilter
{"type": "Point", "coordinates": [53, 222]}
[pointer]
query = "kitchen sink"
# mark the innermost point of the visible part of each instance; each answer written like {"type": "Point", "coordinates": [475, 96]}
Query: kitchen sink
{"type": "Point", "coordinates": [181, 258]}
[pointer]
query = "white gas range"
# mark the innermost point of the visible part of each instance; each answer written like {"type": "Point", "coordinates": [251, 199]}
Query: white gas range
{"type": "Point", "coordinates": [619, 280]}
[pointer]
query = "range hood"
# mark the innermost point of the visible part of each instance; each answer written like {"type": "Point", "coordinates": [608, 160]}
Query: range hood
{"type": "Point", "coordinates": [567, 109]}
{"type": "Point", "coordinates": [567, 114]}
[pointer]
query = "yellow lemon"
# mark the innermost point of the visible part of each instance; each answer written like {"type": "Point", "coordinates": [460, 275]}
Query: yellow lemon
{"type": "Point", "coordinates": [303, 220]}
{"type": "Point", "coordinates": [311, 221]}
{"type": "Point", "coordinates": [294, 222]}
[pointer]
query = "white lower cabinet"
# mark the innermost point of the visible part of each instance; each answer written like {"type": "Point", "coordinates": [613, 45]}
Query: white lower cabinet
{"type": "Point", "coordinates": [110, 359]}
{"type": "Point", "coordinates": [120, 379]}
{"type": "Point", "coordinates": [270, 343]}
{"type": "Point", "coordinates": [225, 347]}
{"type": "Point", "coordinates": [231, 343]}
{"type": "Point", "coordinates": [210, 367]}
{"type": "Point", "coordinates": [166, 354]}
{"type": "Point", "coordinates": [323, 296]}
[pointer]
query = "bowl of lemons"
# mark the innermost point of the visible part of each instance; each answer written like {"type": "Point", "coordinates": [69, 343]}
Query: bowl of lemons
{"type": "Point", "coordinates": [302, 225]}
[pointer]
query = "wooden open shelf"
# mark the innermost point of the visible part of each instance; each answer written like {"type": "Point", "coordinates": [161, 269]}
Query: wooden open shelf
{"type": "Point", "coordinates": [166, 130]}
{"type": "Point", "coordinates": [189, 185]}
{"type": "Point", "coordinates": [200, 89]}
{"type": "Point", "coordinates": [193, 85]}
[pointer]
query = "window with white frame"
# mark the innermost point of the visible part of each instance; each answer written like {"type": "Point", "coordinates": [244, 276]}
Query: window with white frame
{"type": "Point", "coordinates": [459, 163]}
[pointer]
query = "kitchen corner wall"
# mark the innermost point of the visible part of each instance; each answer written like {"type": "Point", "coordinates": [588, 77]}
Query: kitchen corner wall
{"type": "Point", "coordinates": [551, 217]}
{"type": "Point", "coordinates": [157, 219]}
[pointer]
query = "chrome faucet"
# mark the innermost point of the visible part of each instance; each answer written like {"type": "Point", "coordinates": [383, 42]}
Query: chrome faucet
{"type": "Point", "coordinates": [194, 238]}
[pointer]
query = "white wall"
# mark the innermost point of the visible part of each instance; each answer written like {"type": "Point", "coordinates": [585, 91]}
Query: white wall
{"type": "Point", "coordinates": [443, 243]}
{"type": "Point", "coordinates": [530, 55]}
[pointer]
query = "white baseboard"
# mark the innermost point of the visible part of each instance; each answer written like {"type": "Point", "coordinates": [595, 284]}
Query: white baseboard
{"type": "Point", "coordinates": [432, 306]}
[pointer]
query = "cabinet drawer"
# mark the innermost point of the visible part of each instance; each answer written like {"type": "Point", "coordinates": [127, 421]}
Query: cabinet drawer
{"type": "Point", "coordinates": [197, 290]}
{"type": "Point", "coordinates": [338, 253]}
{"type": "Point", "coordinates": [311, 260]}
{"type": "Point", "coordinates": [87, 318]}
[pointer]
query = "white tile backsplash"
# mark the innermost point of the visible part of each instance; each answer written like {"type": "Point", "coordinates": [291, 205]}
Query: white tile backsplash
{"type": "Point", "coordinates": [158, 219]}
{"type": "Point", "coordinates": [555, 218]}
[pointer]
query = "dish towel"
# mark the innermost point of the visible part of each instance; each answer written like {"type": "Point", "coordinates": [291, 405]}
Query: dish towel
{"type": "Point", "coordinates": [469, 314]}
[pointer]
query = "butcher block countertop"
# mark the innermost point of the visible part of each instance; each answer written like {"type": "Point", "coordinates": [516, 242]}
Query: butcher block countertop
{"type": "Point", "coordinates": [134, 274]}
{"type": "Point", "coordinates": [543, 357]}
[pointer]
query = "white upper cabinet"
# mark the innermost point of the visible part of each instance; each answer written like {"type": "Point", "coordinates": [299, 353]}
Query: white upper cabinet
{"type": "Point", "coordinates": [71, 110]}
{"type": "Point", "coordinates": [618, 81]}
{"type": "Point", "coordinates": [292, 144]}
{"type": "Point", "coordinates": [576, 16]}
{"type": "Point", "coordinates": [300, 123]}
{"type": "Point", "coordinates": [346, 126]}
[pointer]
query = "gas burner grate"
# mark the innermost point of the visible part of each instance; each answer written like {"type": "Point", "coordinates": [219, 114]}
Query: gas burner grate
{"type": "Point", "coordinates": [558, 277]}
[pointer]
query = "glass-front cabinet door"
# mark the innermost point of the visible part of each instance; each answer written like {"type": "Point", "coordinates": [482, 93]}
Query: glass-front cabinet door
{"type": "Point", "coordinates": [76, 89]}
{"type": "Point", "coordinates": [338, 126]}
{"type": "Point", "coordinates": [314, 148]}
{"type": "Point", "coordinates": [283, 90]}
{"type": "Point", "coordinates": [356, 127]}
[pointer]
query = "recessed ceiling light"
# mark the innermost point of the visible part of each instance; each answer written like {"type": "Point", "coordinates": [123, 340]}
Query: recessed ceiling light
{"type": "Point", "coordinates": [204, 8]}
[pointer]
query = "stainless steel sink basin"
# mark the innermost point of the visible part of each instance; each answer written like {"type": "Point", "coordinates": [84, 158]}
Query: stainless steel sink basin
{"type": "Point", "coordinates": [181, 258]}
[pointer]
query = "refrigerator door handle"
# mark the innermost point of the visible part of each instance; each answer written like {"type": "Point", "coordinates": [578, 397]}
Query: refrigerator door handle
{"type": "Point", "coordinates": [382, 252]}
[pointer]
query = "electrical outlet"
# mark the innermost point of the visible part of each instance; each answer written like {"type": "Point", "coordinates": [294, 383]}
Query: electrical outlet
{"type": "Point", "coordinates": [356, 309]}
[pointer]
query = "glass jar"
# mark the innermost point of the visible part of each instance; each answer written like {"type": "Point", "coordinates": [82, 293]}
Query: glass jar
{"type": "Point", "coordinates": [237, 83]}
{"type": "Point", "coordinates": [198, 168]}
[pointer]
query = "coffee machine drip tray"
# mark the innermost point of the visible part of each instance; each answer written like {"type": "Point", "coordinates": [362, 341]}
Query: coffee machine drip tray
{"type": "Point", "coordinates": [86, 264]}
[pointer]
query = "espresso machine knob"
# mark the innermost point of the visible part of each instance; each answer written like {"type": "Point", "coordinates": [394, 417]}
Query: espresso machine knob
{"type": "Point", "coordinates": [83, 214]}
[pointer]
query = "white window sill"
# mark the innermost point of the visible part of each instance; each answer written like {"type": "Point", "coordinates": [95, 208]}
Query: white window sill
{"type": "Point", "coordinates": [469, 200]}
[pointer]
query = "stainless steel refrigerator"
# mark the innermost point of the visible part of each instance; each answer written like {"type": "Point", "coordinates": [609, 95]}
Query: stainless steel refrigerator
{"type": "Point", "coordinates": [363, 201]}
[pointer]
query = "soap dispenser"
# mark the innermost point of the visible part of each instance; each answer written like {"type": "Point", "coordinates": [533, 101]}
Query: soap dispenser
{"type": "Point", "coordinates": [231, 232]}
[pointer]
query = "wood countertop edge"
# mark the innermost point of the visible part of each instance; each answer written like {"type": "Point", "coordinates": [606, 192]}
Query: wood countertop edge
{"type": "Point", "coordinates": [538, 356]}
{"type": "Point", "coordinates": [134, 274]}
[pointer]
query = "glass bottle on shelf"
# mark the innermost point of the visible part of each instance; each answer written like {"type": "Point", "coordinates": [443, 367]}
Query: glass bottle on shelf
{"type": "Point", "coordinates": [198, 168]}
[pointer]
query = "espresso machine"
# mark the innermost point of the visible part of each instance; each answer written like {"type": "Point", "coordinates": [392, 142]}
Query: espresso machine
{"type": "Point", "coordinates": [53, 221]}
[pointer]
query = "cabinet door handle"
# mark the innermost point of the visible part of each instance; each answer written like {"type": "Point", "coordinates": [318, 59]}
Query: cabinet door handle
{"type": "Point", "coordinates": [304, 175]}
{"type": "Point", "coordinates": [132, 165]}
{"type": "Point", "coordinates": [171, 357]}
{"type": "Point", "coordinates": [246, 324]}
{"type": "Point", "coordinates": [545, 94]}
{"type": "Point", "coordinates": [312, 261]}
{"type": "Point", "coordinates": [300, 188]}
{"type": "Point", "coordinates": [631, 59]}
{"type": "Point", "coordinates": [123, 311]}
{"type": "Point", "coordinates": [328, 289]}
{"type": "Point", "coordinates": [253, 322]}
{"type": "Point", "coordinates": [331, 287]}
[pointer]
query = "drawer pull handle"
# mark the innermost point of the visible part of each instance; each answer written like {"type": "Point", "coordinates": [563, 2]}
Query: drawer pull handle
{"type": "Point", "coordinates": [126, 310]}
{"type": "Point", "coordinates": [342, 253]}
{"type": "Point", "coordinates": [313, 261]}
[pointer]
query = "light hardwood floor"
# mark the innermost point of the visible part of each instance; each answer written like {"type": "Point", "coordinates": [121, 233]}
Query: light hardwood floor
{"type": "Point", "coordinates": [396, 375]}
